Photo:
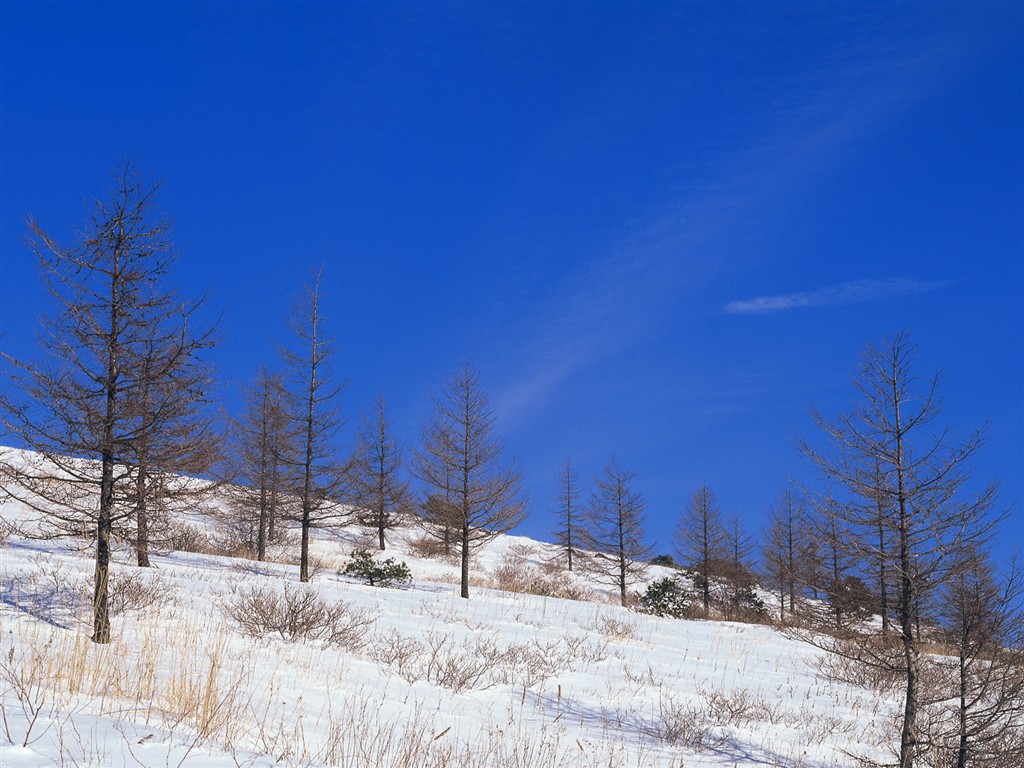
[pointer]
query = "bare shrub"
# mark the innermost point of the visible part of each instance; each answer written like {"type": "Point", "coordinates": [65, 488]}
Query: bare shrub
{"type": "Point", "coordinates": [25, 678]}
{"type": "Point", "coordinates": [300, 613]}
{"type": "Point", "coordinates": [6, 529]}
{"type": "Point", "coordinates": [514, 574]}
{"type": "Point", "coordinates": [728, 709]}
{"type": "Point", "coordinates": [190, 538]}
{"type": "Point", "coordinates": [843, 665]}
{"type": "Point", "coordinates": [613, 628]}
{"type": "Point", "coordinates": [428, 547]}
{"type": "Point", "coordinates": [47, 592]}
{"type": "Point", "coordinates": [530, 664]}
{"type": "Point", "coordinates": [684, 725]}
{"type": "Point", "coordinates": [463, 667]}
{"type": "Point", "coordinates": [405, 655]}
{"type": "Point", "coordinates": [582, 648]}
{"type": "Point", "coordinates": [132, 592]}
{"type": "Point", "coordinates": [474, 663]}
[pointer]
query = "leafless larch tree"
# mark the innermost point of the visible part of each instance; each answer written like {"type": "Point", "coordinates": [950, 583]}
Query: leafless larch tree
{"type": "Point", "coordinates": [114, 407]}
{"type": "Point", "coordinates": [264, 451]}
{"type": "Point", "coordinates": [315, 419]}
{"type": "Point", "coordinates": [568, 514]}
{"type": "Point", "coordinates": [460, 464]}
{"type": "Point", "coordinates": [886, 454]}
{"type": "Point", "coordinates": [701, 539]}
{"type": "Point", "coordinates": [615, 530]}
{"type": "Point", "coordinates": [377, 486]}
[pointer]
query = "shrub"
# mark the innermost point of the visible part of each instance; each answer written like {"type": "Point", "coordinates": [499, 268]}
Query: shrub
{"type": "Point", "coordinates": [300, 613]}
{"type": "Point", "coordinates": [665, 597]}
{"type": "Point", "coordinates": [189, 538]}
{"type": "Point", "coordinates": [377, 573]}
{"type": "Point", "coordinates": [130, 591]}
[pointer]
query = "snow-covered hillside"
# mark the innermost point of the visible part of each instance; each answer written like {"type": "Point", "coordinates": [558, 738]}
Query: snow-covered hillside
{"type": "Point", "coordinates": [416, 676]}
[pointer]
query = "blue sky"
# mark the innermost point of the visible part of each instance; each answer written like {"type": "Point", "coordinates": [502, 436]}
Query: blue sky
{"type": "Point", "coordinates": [662, 232]}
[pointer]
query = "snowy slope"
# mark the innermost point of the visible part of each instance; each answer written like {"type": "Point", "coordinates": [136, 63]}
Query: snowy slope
{"type": "Point", "coordinates": [424, 678]}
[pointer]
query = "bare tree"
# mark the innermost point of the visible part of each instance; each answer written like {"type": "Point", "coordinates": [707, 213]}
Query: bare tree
{"type": "Point", "coordinates": [178, 441]}
{"type": "Point", "coordinates": [567, 535]}
{"type": "Point", "coordinates": [736, 570]}
{"type": "Point", "coordinates": [615, 530]}
{"type": "Point", "coordinates": [886, 452]}
{"type": "Point", "coordinates": [115, 390]}
{"type": "Point", "coordinates": [460, 461]}
{"type": "Point", "coordinates": [783, 535]}
{"type": "Point", "coordinates": [438, 516]}
{"type": "Point", "coordinates": [315, 419]}
{"type": "Point", "coordinates": [981, 694]}
{"type": "Point", "coordinates": [883, 534]}
{"type": "Point", "coordinates": [377, 487]}
{"type": "Point", "coordinates": [263, 446]}
{"type": "Point", "coordinates": [832, 568]}
{"type": "Point", "coordinates": [701, 539]}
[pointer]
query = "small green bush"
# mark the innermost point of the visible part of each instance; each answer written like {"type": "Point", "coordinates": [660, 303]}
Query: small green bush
{"type": "Point", "coordinates": [377, 573]}
{"type": "Point", "coordinates": [665, 597]}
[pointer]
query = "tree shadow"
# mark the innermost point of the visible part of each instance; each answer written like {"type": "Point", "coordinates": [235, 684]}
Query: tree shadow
{"type": "Point", "coordinates": [52, 602]}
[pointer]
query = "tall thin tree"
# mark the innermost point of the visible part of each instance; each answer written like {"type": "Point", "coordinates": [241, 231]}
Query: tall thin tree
{"type": "Point", "coordinates": [567, 534]}
{"type": "Point", "coordinates": [615, 530]}
{"type": "Point", "coordinates": [983, 620]}
{"type": "Point", "coordinates": [701, 539]}
{"type": "Point", "coordinates": [378, 488]}
{"type": "Point", "coordinates": [315, 419]}
{"type": "Point", "coordinates": [263, 442]}
{"type": "Point", "coordinates": [460, 461]}
{"type": "Point", "coordinates": [784, 531]}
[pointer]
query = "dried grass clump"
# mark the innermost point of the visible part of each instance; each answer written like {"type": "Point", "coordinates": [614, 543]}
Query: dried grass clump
{"type": "Point", "coordinates": [517, 574]}
{"type": "Point", "coordinates": [431, 548]}
{"type": "Point", "coordinates": [190, 538]}
{"type": "Point", "coordinates": [299, 613]}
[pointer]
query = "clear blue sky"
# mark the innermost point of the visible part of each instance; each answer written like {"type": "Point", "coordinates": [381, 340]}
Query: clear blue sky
{"type": "Point", "coordinates": [662, 232]}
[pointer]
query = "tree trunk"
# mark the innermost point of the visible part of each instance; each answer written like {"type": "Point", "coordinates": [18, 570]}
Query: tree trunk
{"type": "Point", "coordinates": [141, 520]}
{"type": "Point", "coordinates": [261, 533]}
{"type": "Point", "coordinates": [622, 563]}
{"type": "Point", "coordinates": [381, 501]}
{"type": "Point", "coordinates": [100, 607]}
{"type": "Point", "coordinates": [908, 736]}
{"type": "Point", "coordinates": [304, 547]}
{"type": "Point", "coordinates": [464, 580]}
{"type": "Point", "coordinates": [962, 750]}
{"type": "Point", "coordinates": [882, 578]}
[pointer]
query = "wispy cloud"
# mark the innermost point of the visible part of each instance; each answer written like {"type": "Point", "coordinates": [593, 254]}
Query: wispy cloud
{"type": "Point", "coordinates": [612, 302]}
{"type": "Point", "coordinates": [834, 295]}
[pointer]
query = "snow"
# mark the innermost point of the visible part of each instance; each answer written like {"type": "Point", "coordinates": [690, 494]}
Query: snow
{"type": "Point", "coordinates": [549, 682]}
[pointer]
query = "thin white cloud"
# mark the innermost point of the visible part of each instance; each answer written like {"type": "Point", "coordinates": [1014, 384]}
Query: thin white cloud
{"type": "Point", "coordinates": [834, 295]}
{"type": "Point", "coordinates": [615, 300]}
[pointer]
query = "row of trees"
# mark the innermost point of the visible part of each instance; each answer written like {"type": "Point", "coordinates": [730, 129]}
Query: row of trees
{"type": "Point", "coordinates": [118, 414]}
{"type": "Point", "coordinates": [895, 532]}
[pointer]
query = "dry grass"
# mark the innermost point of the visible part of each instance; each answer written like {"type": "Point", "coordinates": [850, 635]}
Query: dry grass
{"type": "Point", "coordinates": [516, 573]}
